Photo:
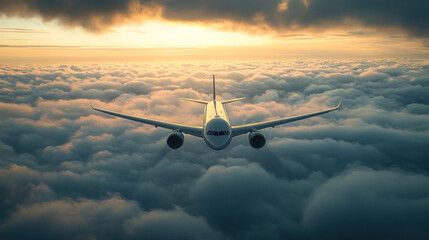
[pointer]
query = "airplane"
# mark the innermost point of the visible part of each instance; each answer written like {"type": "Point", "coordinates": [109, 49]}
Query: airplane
{"type": "Point", "coordinates": [216, 131]}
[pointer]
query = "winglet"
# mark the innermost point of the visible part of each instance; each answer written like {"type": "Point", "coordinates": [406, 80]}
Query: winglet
{"type": "Point", "coordinates": [339, 104]}
{"type": "Point", "coordinates": [90, 103]}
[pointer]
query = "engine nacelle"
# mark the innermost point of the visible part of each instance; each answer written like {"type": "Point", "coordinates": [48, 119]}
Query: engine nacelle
{"type": "Point", "coordinates": [175, 140]}
{"type": "Point", "coordinates": [256, 139]}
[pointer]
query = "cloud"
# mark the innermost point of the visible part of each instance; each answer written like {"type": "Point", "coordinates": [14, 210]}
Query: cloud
{"type": "Point", "coordinates": [68, 219]}
{"type": "Point", "coordinates": [246, 201]}
{"type": "Point", "coordinates": [284, 15]}
{"type": "Point", "coordinates": [67, 171]}
{"type": "Point", "coordinates": [94, 15]}
{"type": "Point", "coordinates": [340, 201]}
{"type": "Point", "coordinates": [169, 225]}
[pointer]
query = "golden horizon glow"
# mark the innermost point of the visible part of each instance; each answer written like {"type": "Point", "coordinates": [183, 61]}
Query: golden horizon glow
{"type": "Point", "coordinates": [147, 34]}
{"type": "Point", "coordinates": [35, 41]}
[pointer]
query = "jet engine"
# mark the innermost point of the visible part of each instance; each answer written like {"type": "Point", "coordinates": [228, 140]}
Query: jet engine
{"type": "Point", "coordinates": [256, 139]}
{"type": "Point", "coordinates": [175, 140]}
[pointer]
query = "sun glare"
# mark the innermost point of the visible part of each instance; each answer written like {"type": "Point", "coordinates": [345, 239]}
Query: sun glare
{"type": "Point", "coordinates": [149, 34]}
{"type": "Point", "coordinates": [163, 34]}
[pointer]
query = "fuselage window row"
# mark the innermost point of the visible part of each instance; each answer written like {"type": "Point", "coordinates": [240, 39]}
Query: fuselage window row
{"type": "Point", "coordinates": [218, 133]}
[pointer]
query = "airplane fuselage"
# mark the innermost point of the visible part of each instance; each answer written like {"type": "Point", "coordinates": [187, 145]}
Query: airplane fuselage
{"type": "Point", "coordinates": [216, 126]}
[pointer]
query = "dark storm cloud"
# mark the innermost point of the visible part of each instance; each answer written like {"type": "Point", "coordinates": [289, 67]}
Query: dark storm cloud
{"type": "Point", "coordinates": [93, 15]}
{"type": "Point", "coordinates": [409, 16]}
{"type": "Point", "coordinates": [67, 171]}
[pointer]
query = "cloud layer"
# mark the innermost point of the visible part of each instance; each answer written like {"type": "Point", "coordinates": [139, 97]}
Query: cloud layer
{"type": "Point", "coordinates": [281, 15]}
{"type": "Point", "coordinates": [69, 172]}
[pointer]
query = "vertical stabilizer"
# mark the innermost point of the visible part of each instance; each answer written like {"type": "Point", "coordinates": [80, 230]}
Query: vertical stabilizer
{"type": "Point", "coordinates": [214, 94]}
{"type": "Point", "coordinates": [214, 88]}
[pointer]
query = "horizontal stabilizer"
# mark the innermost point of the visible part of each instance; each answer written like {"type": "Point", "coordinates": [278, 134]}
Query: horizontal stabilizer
{"type": "Point", "coordinates": [195, 100]}
{"type": "Point", "coordinates": [232, 100]}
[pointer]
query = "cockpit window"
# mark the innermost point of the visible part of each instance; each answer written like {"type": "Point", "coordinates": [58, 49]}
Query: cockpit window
{"type": "Point", "coordinates": [218, 133]}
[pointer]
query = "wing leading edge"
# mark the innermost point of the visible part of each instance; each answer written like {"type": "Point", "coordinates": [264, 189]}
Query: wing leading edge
{"type": "Point", "coordinates": [192, 130]}
{"type": "Point", "coordinates": [242, 129]}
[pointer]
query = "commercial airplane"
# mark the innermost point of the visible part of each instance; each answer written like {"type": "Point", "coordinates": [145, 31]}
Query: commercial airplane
{"type": "Point", "coordinates": [216, 131]}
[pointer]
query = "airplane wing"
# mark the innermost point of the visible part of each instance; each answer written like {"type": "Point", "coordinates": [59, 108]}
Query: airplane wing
{"type": "Point", "coordinates": [242, 129]}
{"type": "Point", "coordinates": [192, 130]}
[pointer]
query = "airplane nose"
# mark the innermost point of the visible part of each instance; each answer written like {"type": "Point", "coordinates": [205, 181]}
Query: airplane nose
{"type": "Point", "coordinates": [217, 142]}
{"type": "Point", "coordinates": [217, 133]}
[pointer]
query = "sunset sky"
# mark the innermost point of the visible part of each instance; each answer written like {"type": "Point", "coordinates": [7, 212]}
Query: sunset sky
{"type": "Point", "coordinates": [133, 31]}
{"type": "Point", "coordinates": [70, 172]}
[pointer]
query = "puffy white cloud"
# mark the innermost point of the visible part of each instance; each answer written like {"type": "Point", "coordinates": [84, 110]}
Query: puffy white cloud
{"type": "Point", "coordinates": [67, 171]}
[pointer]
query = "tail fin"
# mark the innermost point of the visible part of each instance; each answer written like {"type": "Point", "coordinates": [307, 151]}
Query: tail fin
{"type": "Point", "coordinates": [223, 102]}
{"type": "Point", "coordinates": [202, 101]}
{"type": "Point", "coordinates": [214, 97]}
{"type": "Point", "coordinates": [214, 88]}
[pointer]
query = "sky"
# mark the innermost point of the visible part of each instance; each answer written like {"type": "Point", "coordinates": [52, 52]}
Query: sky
{"type": "Point", "coordinates": [69, 172]}
{"type": "Point", "coordinates": [74, 31]}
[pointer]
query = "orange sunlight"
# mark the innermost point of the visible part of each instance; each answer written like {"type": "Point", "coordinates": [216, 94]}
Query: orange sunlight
{"type": "Point", "coordinates": [36, 41]}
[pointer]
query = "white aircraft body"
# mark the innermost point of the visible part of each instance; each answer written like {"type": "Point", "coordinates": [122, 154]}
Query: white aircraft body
{"type": "Point", "coordinates": [216, 131]}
